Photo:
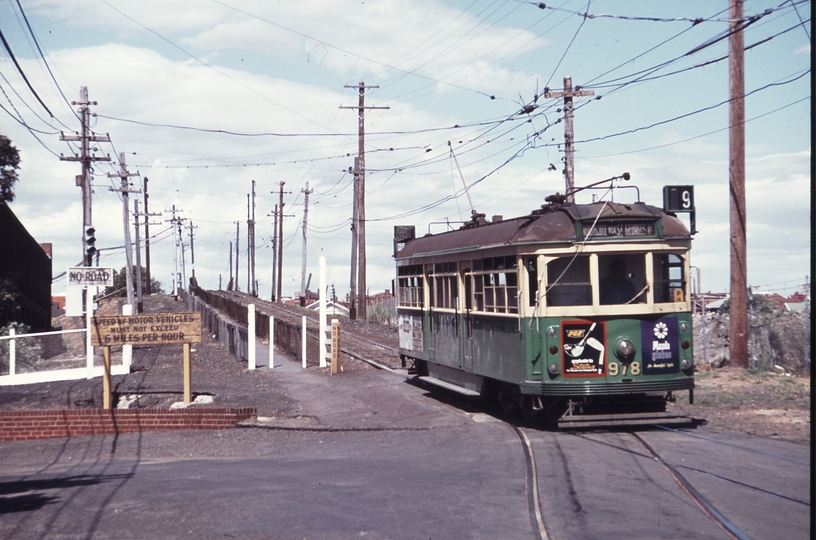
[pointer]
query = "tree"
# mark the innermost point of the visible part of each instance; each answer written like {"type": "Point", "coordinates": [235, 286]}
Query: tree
{"type": "Point", "coordinates": [9, 163]}
{"type": "Point", "coordinates": [120, 283]}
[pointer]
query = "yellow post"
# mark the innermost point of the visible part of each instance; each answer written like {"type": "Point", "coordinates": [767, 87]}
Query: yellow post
{"type": "Point", "coordinates": [188, 393]}
{"type": "Point", "coordinates": [106, 379]}
{"type": "Point", "coordinates": [335, 363]}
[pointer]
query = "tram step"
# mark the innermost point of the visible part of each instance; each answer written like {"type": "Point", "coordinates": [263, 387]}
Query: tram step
{"type": "Point", "coordinates": [623, 419]}
{"type": "Point", "coordinates": [449, 386]}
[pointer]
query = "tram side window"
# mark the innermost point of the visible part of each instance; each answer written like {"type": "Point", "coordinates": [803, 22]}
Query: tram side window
{"type": "Point", "coordinates": [495, 285]}
{"type": "Point", "coordinates": [670, 281]}
{"type": "Point", "coordinates": [568, 282]}
{"type": "Point", "coordinates": [445, 286]}
{"type": "Point", "coordinates": [410, 286]}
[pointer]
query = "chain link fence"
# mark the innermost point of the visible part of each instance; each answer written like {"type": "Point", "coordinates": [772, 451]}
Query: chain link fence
{"type": "Point", "coordinates": [47, 352]}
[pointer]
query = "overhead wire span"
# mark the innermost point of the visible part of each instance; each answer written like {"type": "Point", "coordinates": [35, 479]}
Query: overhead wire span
{"type": "Point", "coordinates": [698, 111]}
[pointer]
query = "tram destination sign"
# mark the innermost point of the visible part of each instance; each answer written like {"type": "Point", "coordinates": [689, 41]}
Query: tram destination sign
{"type": "Point", "coordinates": [146, 329]}
{"type": "Point", "coordinates": [90, 276]}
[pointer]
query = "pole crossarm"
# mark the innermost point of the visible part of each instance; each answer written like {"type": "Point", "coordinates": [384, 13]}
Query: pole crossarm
{"type": "Point", "coordinates": [568, 93]}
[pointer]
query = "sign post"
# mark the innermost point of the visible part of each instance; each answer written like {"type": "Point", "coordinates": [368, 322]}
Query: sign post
{"type": "Point", "coordinates": [146, 329]}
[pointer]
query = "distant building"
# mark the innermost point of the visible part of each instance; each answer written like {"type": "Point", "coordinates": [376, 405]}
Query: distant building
{"type": "Point", "coordinates": [26, 266]}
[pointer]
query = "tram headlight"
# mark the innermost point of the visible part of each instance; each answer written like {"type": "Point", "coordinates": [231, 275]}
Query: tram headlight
{"type": "Point", "coordinates": [686, 363]}
{"type": "Point", "coordinates": [625, 350]}
{"type": "Point", "coordinates": [554, 368]}
{"type": "Point", "coordinates": [684, 327]}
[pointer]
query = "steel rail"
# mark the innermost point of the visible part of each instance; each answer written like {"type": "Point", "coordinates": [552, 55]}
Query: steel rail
{"type": "Point", "coordinates": [708, 509]}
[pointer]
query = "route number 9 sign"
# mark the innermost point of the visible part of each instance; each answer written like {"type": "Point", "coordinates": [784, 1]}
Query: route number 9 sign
{"type": "Point", "coordinates": [678, 198]}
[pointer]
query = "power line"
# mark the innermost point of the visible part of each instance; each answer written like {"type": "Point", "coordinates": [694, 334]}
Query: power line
{"type": "Point", "coordinates": [22, 73]}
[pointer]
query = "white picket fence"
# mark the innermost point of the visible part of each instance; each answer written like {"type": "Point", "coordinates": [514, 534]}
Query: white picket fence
{"type": "Point", "coordinates": [55, 356]}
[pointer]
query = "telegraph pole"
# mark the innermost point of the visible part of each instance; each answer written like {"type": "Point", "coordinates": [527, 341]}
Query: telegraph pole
{"type": "Point", "coordinates": [237, 252]}
{"type": "Point", "coordinates": [84, 180]}
{"type": "Point", "coordinates": [360, 191]}
{"type": "Point", "coordinates": [147, 241]}
{"type": "Point", "coordinates": [280, 241]}
{"type": "Point", "coordinates": [192, 256]}
{"type": "Point", "coordinates": [738, 336]}
{"type": "Point", "coordinates": [569, 133]}
{"type": "Point", "coordinates": [124, 190]}
{"type": "Point", "coordinates": [251, 242]}
{"type": "Point", "coordinates": [274, 252]}
{"type": "Point", "coordinates": [139, 304]}
{"type": "Point", "coordinates": [355, 222]}
{"type": "Point", "coordinates": [178, 249]}
{"type": "Point", "coordinates": [231, 284]}
{"type": "Point", "coordinates": [306, 193]}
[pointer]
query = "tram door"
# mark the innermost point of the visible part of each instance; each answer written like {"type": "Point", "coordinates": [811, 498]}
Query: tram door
{"type": "Point", "coordinates": [466, 335]}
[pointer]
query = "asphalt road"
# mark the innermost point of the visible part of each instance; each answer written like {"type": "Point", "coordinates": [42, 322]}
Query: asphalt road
{"type": "Point", "coordinates": [364, 454]}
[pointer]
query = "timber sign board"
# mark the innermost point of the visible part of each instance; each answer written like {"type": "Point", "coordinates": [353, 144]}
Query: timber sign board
{"type": "Point", "coordinates": [146, 329]}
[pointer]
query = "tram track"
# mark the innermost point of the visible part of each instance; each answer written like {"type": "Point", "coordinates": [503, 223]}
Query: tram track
{"type": "Point", "coordinates": [362, 349]}
{"type": "Point", "coordinates": [708, 509]}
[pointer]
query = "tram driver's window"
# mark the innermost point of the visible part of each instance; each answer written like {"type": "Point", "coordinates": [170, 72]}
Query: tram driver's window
{"type": "Point", "coordinates": [531, 263]}
{"type": "Point", "coordinates": [670, 281]}
{"type": "Point", "coordinates": [623, 278]}
{"type": "Point", "coordinates": [568, 282]}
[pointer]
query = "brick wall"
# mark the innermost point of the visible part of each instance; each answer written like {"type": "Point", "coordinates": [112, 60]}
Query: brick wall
{"type": "Point", "coordinates": [23, 425]}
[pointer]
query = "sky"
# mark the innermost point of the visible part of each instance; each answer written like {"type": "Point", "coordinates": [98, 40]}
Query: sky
{"type": "Point", "coordinates": [204, 97]}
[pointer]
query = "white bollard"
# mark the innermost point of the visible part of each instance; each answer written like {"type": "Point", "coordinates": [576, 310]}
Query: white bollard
{"type": "Point", "coordinates": [271, 342]}
{"type": "Point", "coordinates": [88, 347]}
{"type": "Point", "coordinates": [303, 341]}
{"type": "Point", "coordinates": [322, 311]}
{"type": "Point", "coordinates": [251, 336]}
{"type": "Point", "coordinates": [127, 350]}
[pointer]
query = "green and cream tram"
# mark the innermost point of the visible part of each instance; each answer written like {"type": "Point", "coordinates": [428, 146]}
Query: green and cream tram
{"type": "Point", "coordinates": [581, 311]}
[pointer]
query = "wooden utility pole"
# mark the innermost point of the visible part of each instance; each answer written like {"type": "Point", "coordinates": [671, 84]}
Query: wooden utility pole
{"type": "Point", "coordinates": [280, 242]}
{"type": "Point", "coordinates": [178, 250]}
{"type": "Point", "coordinates": [569, 132]}
{"type": "Point", "coordinates": [147, 241]}
{"type": "Point", "coordinates": [237, 252]}
{"type": "Point", "coordinates": [84, 181]}
{"type": "Point", "coordinates": [251, 242]}
{"type": "Point", "coordinates": [274, 253]}
{"type": "Point", "coordinates": [125, 190]}
{"type": "Point", "coordinates": [355, 219]}
{"type": "Point", "coordinates": [738, 336]}
{"type": "Point", "coordinates": [192, 256]}
{"type": "Point", "coordinates": [360, 192]}
{"type": "Point", "coordinates": [281, 215]}
{"type": "Point", "coordinates": [306, 193]}
{"type": "Point", "coordinates": [139, 303]}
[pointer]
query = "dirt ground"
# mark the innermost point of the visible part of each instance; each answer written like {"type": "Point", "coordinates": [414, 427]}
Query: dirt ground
{"type": "Point", "coordinates": [756, 403]}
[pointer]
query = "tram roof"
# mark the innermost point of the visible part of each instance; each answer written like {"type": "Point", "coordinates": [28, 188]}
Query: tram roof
{"type": "Point", "coordinates": [553, 223]}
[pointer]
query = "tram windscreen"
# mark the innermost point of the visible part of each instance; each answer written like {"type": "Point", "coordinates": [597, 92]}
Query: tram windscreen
{"type": "Point", "coordinates": [568, 282]}
{"type": "Point", "coordinates": [623, 278]}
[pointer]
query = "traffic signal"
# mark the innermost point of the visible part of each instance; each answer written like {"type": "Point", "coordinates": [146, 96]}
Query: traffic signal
{"type": "Point", "coordinates": [90, 248]}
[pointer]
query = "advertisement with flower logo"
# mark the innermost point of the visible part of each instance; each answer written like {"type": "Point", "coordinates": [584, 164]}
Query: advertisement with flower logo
{"type": "Point", "coordinates": [659, 345]}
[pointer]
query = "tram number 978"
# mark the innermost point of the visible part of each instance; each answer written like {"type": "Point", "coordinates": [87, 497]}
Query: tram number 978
{"type": "Point", "coordinates": [616, 368]}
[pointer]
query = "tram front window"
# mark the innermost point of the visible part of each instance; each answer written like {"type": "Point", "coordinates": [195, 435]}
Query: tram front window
{"type": "Point", "coordinates": [568, 282]}
{"type": "Point", "coordinates": [623, 279]}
